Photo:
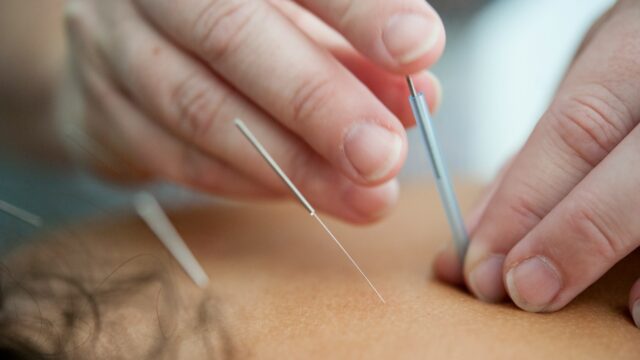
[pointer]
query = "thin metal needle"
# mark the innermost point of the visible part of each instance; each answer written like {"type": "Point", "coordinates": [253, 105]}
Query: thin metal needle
{"type": "Point", "coordinates": [272, 163]}
{"type": "Point", "coordinates": [21, 214]}
{"type": "Point", "coordinates": [151, 212]}
{"type": "Point", "coordinates": [263, 152]}
{"type": "Point", "coordinates": [412, 88]}
{"type": "Point", "coordinates": [350, 258]}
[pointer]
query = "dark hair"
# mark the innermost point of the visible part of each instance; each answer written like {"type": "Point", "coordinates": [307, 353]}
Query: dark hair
{"type": "Point", "coordinates": [31, 297]}
{"type": "Point", "coordinates": [14, 349]}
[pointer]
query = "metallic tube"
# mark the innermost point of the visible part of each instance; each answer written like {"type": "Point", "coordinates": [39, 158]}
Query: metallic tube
{"type": "Point", "coordinates": [445, 187]}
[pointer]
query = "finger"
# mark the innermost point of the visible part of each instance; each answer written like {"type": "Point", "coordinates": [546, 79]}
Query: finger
{"type": "Point", "coordinates": [634, 302]}
{"type": "Point", "coordinates": [403, 36]}
{"type": "Point", "coordinates": [266, 58]}
{"type": "Point", "coordinates": [595, 108]}
{"type": "Point", "coordinates": [310, 24]}
{"type": "Point", "coordinates": [123, 140]}
{"type": "Point", "coordinates": [109, 135]}
{"type": "Point", "coordinates": [198, 107]}
{"type": "Point", "coordinates": [389, 88]}
{"type": "Point", "coordinates": [594, 227]}
{"type": "Point", "coordinates": [447, 265]}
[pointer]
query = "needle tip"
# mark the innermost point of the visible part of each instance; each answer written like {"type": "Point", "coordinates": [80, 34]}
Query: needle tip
{"type": "Point", "coordinates": [346, 253]}
{"type": "Point", "coordinates": [412, 88]}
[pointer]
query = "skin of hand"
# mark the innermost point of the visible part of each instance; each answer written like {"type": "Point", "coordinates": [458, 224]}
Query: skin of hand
{"type": "Point", "coordinates": [153, 87]}
{"type": "Point", "coordinates": [566, 208]}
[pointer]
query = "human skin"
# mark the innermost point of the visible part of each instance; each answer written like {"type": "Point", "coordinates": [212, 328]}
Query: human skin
{"type": "Point", "coordinates": [566, 208]}
{"type": "Point", "coordinates": [151, 90]}
{"type": "Point", "coordinates": [152, 87]}
{"type": "Point", "coordinates": [281, 288]}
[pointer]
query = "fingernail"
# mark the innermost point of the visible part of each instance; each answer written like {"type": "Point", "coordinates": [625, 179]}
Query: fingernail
{"type": "Point", "coordinates": [485, 280]}
{"type": "Point", "coordinates": [533, 283]}
{"type": "Point", "coordinates": [372, 150]}
{"type": "Point", "coordinates": [635, 313]}
{"type": "Point", "coordinates": [372, 203]}
{"type": "Point", "coordinates": [408, 37]}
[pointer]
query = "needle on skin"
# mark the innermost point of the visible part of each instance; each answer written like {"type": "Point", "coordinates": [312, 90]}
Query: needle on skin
{"type": "Point", "coordinates": [265, 155]}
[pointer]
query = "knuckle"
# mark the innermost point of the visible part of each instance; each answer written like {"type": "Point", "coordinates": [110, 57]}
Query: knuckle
{"type": "Point", "coordinates": [219, 25]}
{"type": "Point", "coordinates": [310, 96]}
{"type": "Point", "coordinates": [196, 107]}
{"type": "Point", "coordinates": [524, 210]}
{"type": "Point", "coordinates": [595, 232]}
{"type": "Point", "coordinates": [590, 122]}
{"type": "Point", "coordinates": [343, 11]}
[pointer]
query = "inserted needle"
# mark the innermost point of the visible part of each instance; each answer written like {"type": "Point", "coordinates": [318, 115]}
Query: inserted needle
{"type": "Point", "coordinates": [445, 187]}
{"type": "Point", "coordinates": [272, 163]}
{"type": "Point", "coordinates": [21, 214]}
{"type": "Point", "coordinates": [151, 212]}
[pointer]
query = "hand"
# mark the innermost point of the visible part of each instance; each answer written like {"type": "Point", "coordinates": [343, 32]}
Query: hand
{"type": "Point", "coordinates": [160, 82]}
{"type": "Point", "coordinates": [567, 208]}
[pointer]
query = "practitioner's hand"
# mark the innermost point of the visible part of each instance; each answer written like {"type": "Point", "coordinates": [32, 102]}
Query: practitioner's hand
{"type": "Point", "coordinates": [567, 208]}
{"type": "Point", "coordinates": [159, 83]}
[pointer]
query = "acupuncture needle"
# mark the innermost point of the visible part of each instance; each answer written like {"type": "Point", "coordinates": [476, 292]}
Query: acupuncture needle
{"type": "Point", "coordinates": [272, 163]}
{"type": "Point", "coordinates": [21, 214]}
{"type": "Point", "coordinates": [445, 187]}
{"type": "Point", "coordinates": [151, 212]}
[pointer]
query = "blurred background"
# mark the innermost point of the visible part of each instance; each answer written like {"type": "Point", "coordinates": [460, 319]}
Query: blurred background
{"type": "Point", "coordinates": [503, 60]}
